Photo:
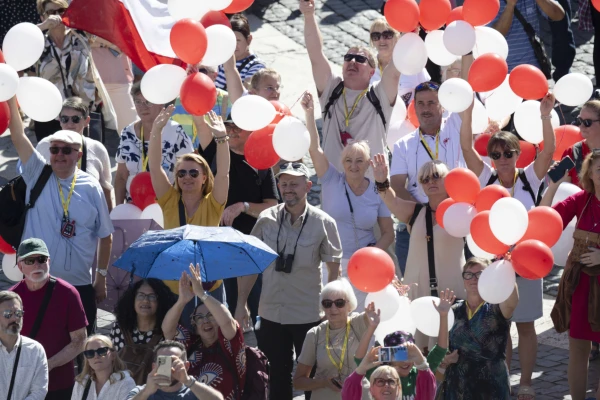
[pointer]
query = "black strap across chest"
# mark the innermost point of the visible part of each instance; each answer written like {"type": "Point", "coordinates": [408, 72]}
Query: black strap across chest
{"type": "Point", "coordinates": [433, 282]}
{"type": "Point", "coordinates": [38, 321]}
{"type": "Point", "coordinates": [86, 391]}
{"type": "Point", "coordinates": [182, 218]}
{"type": "Point", "coordinates": [14, 371]}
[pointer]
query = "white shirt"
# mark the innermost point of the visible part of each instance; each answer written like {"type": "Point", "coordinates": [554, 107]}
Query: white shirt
{"type": "Point", "coordinates": [31, 381]}
{"type": "Point", "coordinates": [409, 154]}
{"type": "Point", "coordinates": [110, 391]}
{"type": "Point", "coordinates": [407, 83]}
{"type": "Point", "coordinates": [520, 193]}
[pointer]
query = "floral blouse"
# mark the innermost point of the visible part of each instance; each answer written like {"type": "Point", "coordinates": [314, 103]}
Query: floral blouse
{"type": "Point", "coordinates": [118, 338]}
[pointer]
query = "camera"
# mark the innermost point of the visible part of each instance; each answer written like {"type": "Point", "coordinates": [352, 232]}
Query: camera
{"type": "Point", "coordinates": [284, 263]}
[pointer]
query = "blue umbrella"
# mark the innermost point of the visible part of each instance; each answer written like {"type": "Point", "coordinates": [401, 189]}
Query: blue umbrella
{"type": "Point", "coordinates": [221, 252]}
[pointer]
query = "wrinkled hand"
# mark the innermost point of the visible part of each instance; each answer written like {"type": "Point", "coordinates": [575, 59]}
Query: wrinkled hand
{"type": "Point", "coordinates": [307, 101]}
{"type": "Point", "coordinates": [216, 125]}
{"type": "Point", "coordinates": [52, 22]}
{"type": "Point", "coordinates": [196, 279]}
{"type": "Point", "coordinates": [242, 316]}
{"type": "Point", "coordinates": [153, 381]}
{"type": "Point", "coordinates": [100, 288]}
{"type": "Point", "coordinates": [451, 358]}
{"type": "Point", "coordinates": [231, 213]}
{"type": "Point", "coordinates": [307, 7]}
{"type": "Point", "coordinates": [414, 353]}
{"type": "Point", "coordinates": [161, 120]}
{"type": "Point", "coordinates": [547, 104]}
{"type": "Point", "coordinates": [447, 298]}
{"type": "Point", "coordinates": [186, 293]}
{"type": "Point", "coordinates": [380, 168]}
{"type": "Point", "coordinates": [178, 370]}
{"type": "Point", "coordinates": [370, 361]}
{"type": "Point", "coordinates": [374, 317]}
{"type": "Point", "coordinates": [592, 258]}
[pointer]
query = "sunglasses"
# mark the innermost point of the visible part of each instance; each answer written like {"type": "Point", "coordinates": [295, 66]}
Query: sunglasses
{"type": "Point", "coordinates": [145, 103]}
{"type": "Point", "coordinates": [18, 313]}
{"type": "Point", "coordinates": [427, 86]}
{"type": "Point", "coordinates": [294, 166]}
{"type": "Point", "coordinates": [382, 382]}
{"type": "Point", "coordinates": [102, 351]}
{"type": "Point", "coordinates": [32, 260]}
{"type": "Point", "coordinates": [200, 317]}
{"type": "Point", "coordinates": [60, 11]}
{"type": "Point", "coordinates": [65, 150]}
{"type": "Point", "coordinates": [470, 275]}
{"type": "Point", "coordinates": [339, 303]}
{"type": "Point", "coordinates": [359, 59]}
{"type": "Point", "coordinates": [495, 155]}
{"type": "Point", "coordinates": [143, 296]}
{"type": "Point", "coordinates": [585, 122]}
{"type": "Point", "coordinates": [194, 173]}
{"type": "Point", "coordinates": [75, 118]}
{"type": "Point", "coordinates": [375, 36]}
{"type": "Point", "coordinates": [434, 177]}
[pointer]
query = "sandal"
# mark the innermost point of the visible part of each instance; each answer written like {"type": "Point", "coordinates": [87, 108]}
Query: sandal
{"type": "Point", "coordinates": [526, 393]}
{"type": "Point", "coordinates": [594, 353]}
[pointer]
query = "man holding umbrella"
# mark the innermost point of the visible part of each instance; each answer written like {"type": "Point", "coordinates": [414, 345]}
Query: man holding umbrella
{"type": "Point", "coordinates": [303, 237]}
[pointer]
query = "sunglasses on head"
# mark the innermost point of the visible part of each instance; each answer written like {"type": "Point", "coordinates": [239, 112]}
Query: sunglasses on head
{"type": "Point", "coordinates": [32, 260]}
{"type": "Point", "coordinates": [382, 382]}
{"type": "Point", "coordinates": [359, 59]}
{"type": "Point", "coordinates": [65, 150]}
{"type": "Point", "coordinates": [495, 155]}
{"type": "Point", "coordinates": [376, 36]}
{"type": "Point", "coordinates": [18, 313]}
{"type": "Point", "coordinates": [294, 166]}
{"type": "Point", "coordinates": [470, 275]}
{"type": "Point", "coordinates": [194, 173]}
{"type": "Point", "coordinates": [339, 303]}
{"type": "Point", "coordinates": [585, 122]}
{"type": "Point", "coordinates": [426, 179]}
{"type": "Point", "coordinates": [427, 86]}
{"type": "Point", "coordinates": [102, 351]}
{"type": "Point", "coordinates": [60, 11]}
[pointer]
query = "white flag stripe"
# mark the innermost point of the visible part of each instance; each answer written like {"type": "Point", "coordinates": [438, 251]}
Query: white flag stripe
{"type": "Point", "coordinates": [153, 23]}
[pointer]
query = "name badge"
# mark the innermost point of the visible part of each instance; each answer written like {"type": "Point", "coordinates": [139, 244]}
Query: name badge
{"type": "Point", "coordinates": [68, 229]}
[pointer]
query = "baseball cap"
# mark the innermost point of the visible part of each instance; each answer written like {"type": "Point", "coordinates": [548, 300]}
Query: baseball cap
{"type": "Point", "coordinates": [32, 246]}
{"type": "Point", "coordinates": [66, 136]}
{"type": "Point", "coordinates": [398, 338]}
{"type": "Point", "coordinates": [294, 169]}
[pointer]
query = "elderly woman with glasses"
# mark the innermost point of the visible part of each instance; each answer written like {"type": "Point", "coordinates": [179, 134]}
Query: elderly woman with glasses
{"type": "Point", "coordinates": [216, 349]}
{"type": "Point", "coordinates": [332, 344]}
{"type": "Point", "coordinates": [104, 375]}
{"type": "Point", "coordinates": [523, 184]}
{"type": "Point", "coordinates": [384, 381]}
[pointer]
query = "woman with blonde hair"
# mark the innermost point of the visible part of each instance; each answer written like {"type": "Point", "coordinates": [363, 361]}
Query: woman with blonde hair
{"type": "Point", "coordinates": [104, 376]}
{"type": "Point", "coordinates": [385, 381]}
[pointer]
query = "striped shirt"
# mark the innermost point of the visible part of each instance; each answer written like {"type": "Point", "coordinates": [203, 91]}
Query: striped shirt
{"type": "Point", "coordinates": [251, 65]}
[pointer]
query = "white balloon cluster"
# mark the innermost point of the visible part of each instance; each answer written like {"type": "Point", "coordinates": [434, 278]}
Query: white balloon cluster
{"type": "Point", "coordinates": [129, 211]}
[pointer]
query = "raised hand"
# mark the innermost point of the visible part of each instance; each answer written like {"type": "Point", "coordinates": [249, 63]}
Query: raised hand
{"type": "Point", "coordinates": [380, 168]}
{"type": "Point", "coordinates": [307, 102]}
{"type": "Point", "coordinates": [592, 258]}
{"type": "Point", "coordinates": [216, 125]}
{"type": "Point", "coordinates": [186, 293]}
{"type": "Point", "coordinates": [547, 104]}
{"type": "Point", "coordinates": [447, 298]}
{"type": "Point", "coordinates": [307, 7]}
{"type": "Point", "coordinates": [373, 315]}
{"type": "Point", "coordinates": [161, 120]}
{"type": "Point", "coordinates": [370, 361]}
{"type": "Point", "coordinates": [196, 280]}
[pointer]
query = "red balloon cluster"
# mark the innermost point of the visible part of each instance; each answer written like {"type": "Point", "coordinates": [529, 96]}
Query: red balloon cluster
{"type": "Point", "coordinates": [188, 40]}
{"type": "Point", "coordinates": [487, 72]}
{"type": "Point", "coordinates": [434, 13]}
{"type": "Point", "coordinates": [532, 259]}
{"type": "Point", "coordinates": [481, 143]}
{"type": "Point", "coordinates": [484, 237]}
{"type": "Point", "coordinates": [462, 186]}
{"type": "Point", "coordinates": [528, 82]}
{"type": "Point", "coordinates": [441, 209]}
{"type": "Point", "coordinates": [141, 190]}
{"type": "Point", "coordinates": [455, 15]}
{"type": "Point", "coordinates": [198, 94]}
{"type": "Point", "coordinates": [488, 196]}
{"type": "Point", "coordinates": [259, 151]}
{"type": "Point", "coordinates": [370, 269]}
{"type": "Point", "coordinates": [402, 15]}
{"type": "Point", "coordinates": [566, 136]}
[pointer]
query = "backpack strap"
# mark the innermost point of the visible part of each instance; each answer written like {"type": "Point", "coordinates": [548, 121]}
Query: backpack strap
{"type": "Point", "coordinates": [527, 186]}
{"type": "Point", "coordinates": [84, 156]}
{"type": "Point", "coordinates": [493, 178]}
{"type": "Point", "coordinates": [577, 156]}
{"type": "Point", "coordinates": [247, 61]}
{"type": "Point", "coordinates": [418, 208]}
{"type": "Point", "coordinates": [40, 316]}
{"type": "Point", "coordinates": [337, 92]}
{"type": "Point", "coordinates": [433, 282]}
{"type": "Point", "coordinates": [86, 391]}
{"type": "Point", "coordinates": [39, 186]}
{"type": "Point", "coordinates": [375, 101]}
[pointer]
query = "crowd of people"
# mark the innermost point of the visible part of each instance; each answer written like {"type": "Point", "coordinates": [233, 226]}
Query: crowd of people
{"type": "Point", "coordinates": [304, 312]}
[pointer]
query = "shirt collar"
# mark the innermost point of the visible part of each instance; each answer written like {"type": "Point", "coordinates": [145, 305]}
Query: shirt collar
{"type": "Point", "coordinates": [19, 339]}
{"type": "Point", "coordinates": [288, 217]}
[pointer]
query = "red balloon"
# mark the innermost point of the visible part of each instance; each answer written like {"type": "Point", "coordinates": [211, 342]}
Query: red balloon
{"type": "Point", "coordinates": [596, 4]}
{"type": "Point", "coordinates": [488, 196]}
{"type": "Point", "coordinates": [455, 15]}
{"type": "Point", "coordinates": [282, 111]}
{"type": "Point", "coordinates": [441, 209]}
{"type": "Point", "coordinates": [259, 151]}
{"type": "Point", "coordinates": [487, 72]}
{"type": "Point", "coordinates": [215, 18]}
{"type": "Point", "coordinates": [141, 190]}
{"type": "Point", "coordinates": [532, 259]}
{"type": "Point", "coordinates": [462, 185]}
{"type": "Point", "coordinates": [5, 247]}
{"type": "Point", "coordinates": [198, 94]}
{"type": "Point", "coordinates": [528, 154]}
{"type": "Point", "coordinates": [2, 57]}
{"type": "Point", "coordinates": [483, 237]}
{"type": "Point", "coordinates": [566, 136]}
{"type": "Point", "coordinates": [528, 82]}
{"type": "Point", "coordinates": [237, 6]}
{"type": "Point", "coordinates": [188, 40]}
{"type": "Point", "coordinates": [370, 269]}
{"type": "Point", "coordinates": [480, 12]}
{"type": "Point", "coordinates": [4, 117]}
{"type": "Point", "coordinates": [412, 114]}
{"type": "Point", "coordinates": [434, 13]}
{"type": "Point", "coordinates": [545, 225]}
{"type": "Point", "coordinates": [481, 144]}
{"type": "Point", "coordinates": [402, 15]}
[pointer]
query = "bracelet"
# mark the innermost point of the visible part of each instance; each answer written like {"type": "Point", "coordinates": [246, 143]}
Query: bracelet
{"type": "Point", "coordinates": [382, 186]}
{"type": "Point", "coordinates": [423, 366]}
{"type": "Point", "coordinates": [441, 370]}
{"type": "Point", "coordinates": [221, 139]}
{"type": "Point", "coordinates": [204, 297]}
{"type": "Point", "coordinates": [546, 117]}
{"type": "Point", "coordinates": [193, 380]}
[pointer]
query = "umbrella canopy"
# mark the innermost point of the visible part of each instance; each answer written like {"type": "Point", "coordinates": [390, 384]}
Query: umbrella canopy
{"type": "Point", "coordinates": [222, 253]}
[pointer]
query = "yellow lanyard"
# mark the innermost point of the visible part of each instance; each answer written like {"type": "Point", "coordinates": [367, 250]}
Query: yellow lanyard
{"type": "Point", "coordinates": [381, 71]}
{"type": "Point", "coordinates": [471, 314]}
{"type": "Point", "coordinates": [437, 145]}
{"type": "Point", "coordinates": [348, 114]}
{"type": "Point", "coordinates": [144, 155]}
{"type": "Point", "coordinates": [65, 204]}
{"type": "Point", "coordinates": [328, 345]}
{"type": "Point", "coordinates": [512, 191]}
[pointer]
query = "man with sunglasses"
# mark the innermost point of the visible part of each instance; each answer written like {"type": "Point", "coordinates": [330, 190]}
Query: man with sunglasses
{"type": "Point", "coordinates": [23, 364]}
{"type": "Point", "coordinates": [53, 315]}
{"type": "Point", "coordinates": [304, 237]}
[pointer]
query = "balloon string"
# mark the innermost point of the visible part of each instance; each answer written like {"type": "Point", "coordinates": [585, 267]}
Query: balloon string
{"type": "Point", "coordinates": [563, 126]}
{"type": "Point", "coordinates": [296, 102]}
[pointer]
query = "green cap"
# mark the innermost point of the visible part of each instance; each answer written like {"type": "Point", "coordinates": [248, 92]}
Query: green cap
{"type": "Point", "coordinates": [32, 246]}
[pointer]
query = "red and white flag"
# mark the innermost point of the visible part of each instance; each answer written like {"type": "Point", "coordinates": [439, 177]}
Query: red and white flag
{"type": "Point", "coordinates": [140, 28]}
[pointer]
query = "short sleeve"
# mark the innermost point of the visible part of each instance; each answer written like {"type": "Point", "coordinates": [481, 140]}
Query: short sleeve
{"type": "Point", "coordinates": [136, 390]}
{"type": "Point", "coordinates": [399, 162]}
{"type": "Point", "coordinates": [331, 175]}
{"type": "Point", "coordinates": [269, 186]}
{"type": "Point", "coordinates": [532, 178]}
{"type": "Point", "coordinates": [309, 355]}
{"type": "Point", "coordinates": [76, 314]}
{"type": "Point", "coordinates": [182, 335]}
{"type": "Point", "coordinates": [104, 226]}
{"type": "Point", "coordinates": [124, 146]}
{"type": "Point", "coordinates": [168, 197]}
{"type": "Point", "coordinates": [383, 211]}
{"type": "Point", "coordinates": [32, 169]}
{"type": "Point", "coordinates": [331, 246]}
{"type": "Point", "coordinates": [486, 174]}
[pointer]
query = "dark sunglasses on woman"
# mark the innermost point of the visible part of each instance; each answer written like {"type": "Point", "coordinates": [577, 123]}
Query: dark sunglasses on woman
{"type": "Point", "coordinates": [194, 173]}
{"type": "Point", "coordinates": [60, 11]}
{"type": "Point", "coordinates": [32, 260]}
{"type": "Point", "coordinates": [75, 118]}
{"type": "Point", "coordinates": [470, 275]}
{"type": "Point", "coordinates": [102, 351]}
{"type": "Point", "coordinates": [495, 155]}
{"type": "Point", "coordinates": [585, 122]}
{"type": "Point", "coordinates": [65, 150]}
{"type": "Point", "coordinates": [359, 59]}
{"type": "Point", "coordinates": [376, 36]}
{"type": "Point", "coordinates": [339, 303]}
{"type": "Point", "coordinates": [434, 177]}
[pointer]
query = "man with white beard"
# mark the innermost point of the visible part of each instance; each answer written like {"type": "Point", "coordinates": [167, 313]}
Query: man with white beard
{"type": "Point", "coordinates": [54, 316]}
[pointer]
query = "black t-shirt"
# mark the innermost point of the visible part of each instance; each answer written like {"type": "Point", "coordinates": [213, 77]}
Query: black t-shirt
{"type": "Point", "coordinates": [245, 184]}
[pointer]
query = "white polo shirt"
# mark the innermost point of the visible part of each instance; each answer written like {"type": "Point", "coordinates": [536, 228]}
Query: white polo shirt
{"type": "Point", "coordinates": [409, 154]}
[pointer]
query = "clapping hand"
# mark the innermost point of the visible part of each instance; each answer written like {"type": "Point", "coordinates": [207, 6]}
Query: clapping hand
{"type": "Point", "coordinates": [373, 316]}
{"type": "Point", "coordinates": [186, 293]}
{"type": "Point", "coordinates": [447, 298]}
{"type": "Point", "coordinates": [592, 258]}
{"type": "Point", "coordinates": [380, 168]}
{"type": "Point", "coordinates": [196, 279]}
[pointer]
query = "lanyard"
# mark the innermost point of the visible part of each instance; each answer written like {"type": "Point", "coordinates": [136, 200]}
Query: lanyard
{"type": "Point", "coordinates": [299, 233]}
{"type": "Point", "coordinates": [348, 114]}
{"type": "Point", "coordinates": [512, 192]}
{"type": "Point", "coordinates": [328, 345]}
{"type": "Point", "coordinates": [470, 313]}
{"type": "Point", "coordinates": [65, 204]}
{"type": "Point", "coordinates": [437, 145]}
{"type": "Point", "coordinates": [144, 155]}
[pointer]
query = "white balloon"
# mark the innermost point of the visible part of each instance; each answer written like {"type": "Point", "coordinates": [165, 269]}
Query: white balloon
{"type": "Point", "coordinates": [221, 45]}
{"type": "Point", "coordinates": [480, 120]}
{"type": "Point", "coordinates": [497, 282]}
{"type": "Point", "coordinates": [508, 220]}
{"type": "Point", "coordinates": [9, 81]}
{"type": "Point", "coordinates": [252, 112]}
{"type": "Point", "coordinates": [161, 83]}
{"type": "Point", "coordinates": [455, 95]}
{"type": "Point", "coordinates": [194, 9]}
{"type": "Point", "coordinates": [528, 121]}
{"type": "Point", "coordinates": [401, 321]}
{"type": "Point", "coordinates": [386, 300]}
{"type": "Point", "coordinates": [477, 251]}
{"type": "Point", "coordinates": [291, 139]}
{"type": "Point", "coordinates": [23, 45]}
{"type": "Point", "coordinates": [573, 89]}
{"type": "Point", "coordinates": [489, 40]}
{"type": "Point", "coordinates": [153, 211]}
{"type": "Point", "coordinates": [457, 219]}
{"type": "Point", "coordinates": [565, 190]}
{"type": "Point", "coordinates": [502, 102]}
{"type": "Point", "coordinates": [125, 211]}
{"type": "Point", "coordinates": [459, 38]}
{"type": "Point", "coordinates": [410, 54]}
{"type": "Point", "coordinates": [397, 131]}
{"type": "Point", "coordinates": [10, 268]}
{"type": "Point", "coordinates": [39, 98]}
{"type": "Point", "coordinates": [436, 51]}
{"type": "Point", "coordinates": [399, 111]}
{"type": "Point", "coordinates": [218, 5]}
{"type": "Point", "coordinates": [426, 316]}
{"type": "Point", "coordinates": [562, 248]}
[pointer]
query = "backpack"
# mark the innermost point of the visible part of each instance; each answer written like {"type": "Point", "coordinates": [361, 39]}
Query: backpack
{"type": "Point", "coordinates": [371, 96]}
{"type": "Point", "coordinates": [138, 357]}
{"type": "Point", "coordinates": [13, 209]}
{"type": "Point", "coordinates": [536, 199]}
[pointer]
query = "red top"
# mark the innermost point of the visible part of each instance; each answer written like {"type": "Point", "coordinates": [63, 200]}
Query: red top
{"type": "Point", "coordinates": [585, 150]}
{"type": "Point", "coordinates": [64, 314]}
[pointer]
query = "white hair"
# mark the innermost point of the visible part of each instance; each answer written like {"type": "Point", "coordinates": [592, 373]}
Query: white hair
{"type": "Point", "coordinates": [343, 288]}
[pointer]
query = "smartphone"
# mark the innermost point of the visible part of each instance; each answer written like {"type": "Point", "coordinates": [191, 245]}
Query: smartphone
{"type": "Point", "coordinates": [336, 382]}
{"type": "Point", "coordinates": [566, 164]}
{"type": "Point", "coordinates": [164, 368]}
{"type": "Point", "coordinates": [391, 354]}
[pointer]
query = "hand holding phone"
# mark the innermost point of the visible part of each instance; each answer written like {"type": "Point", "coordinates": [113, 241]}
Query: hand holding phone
{"type": "Point", "coordinates": [558, 172]}
{"type": "Point", "coordinates": [164, 368]}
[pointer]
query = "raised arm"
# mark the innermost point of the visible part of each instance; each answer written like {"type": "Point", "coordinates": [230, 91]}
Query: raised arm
{"type": "Point", "coordinates": [317, 155]}
{"type": "Point", "coordinates": [217, 128]}
{"type": "Point", "coordinates": [314, 45]}
{"type": "Point", "coordinates": [204, 134]}
{"type": "Point", "coordinates": [508, 306]}
{"type": "Point", "coordinates": [17, 133]}
{"type": "Point", "coordinates": [160, 181]}
{"type": "Point", "coordinates": [235, 87]}
{"type": "Point", "coordinates": [402, 209]}
{"type": "Point", "coordinates": [505, 21]}
{"type": "Point", "coordinates": [389, 80]}
{"type": "Point", "coordinates": [171, 319]}
{"type": "Point", "coordinates": [472, 158]}
{"type": "Point", "coordinates": [552, 9]}
{"type": "Point", "coordinates": [447, 298]}
{"type": "Point", "coordinates": [373, 318]}
{"type": "Point", "coordinates": [544, 159]}
{"type": "Point", "coordinates": [552, 189]}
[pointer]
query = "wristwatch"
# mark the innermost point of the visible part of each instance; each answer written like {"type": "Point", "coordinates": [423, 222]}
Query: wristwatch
{"type": "Point", "coordinates": [204, 297]}
{"type": "Point", "coordinates": [246, 207]}
{"type": "Point", "coordinates": [193, 380]}
{"type": "Point", "coordinates": [102, 272]}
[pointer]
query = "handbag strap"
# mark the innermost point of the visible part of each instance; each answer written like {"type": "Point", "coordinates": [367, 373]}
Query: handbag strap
{"type": "Point", "coordinates": [84, 156]}
{"type": "Point", "coordinates": [62, 74]}
{"type": "Point", "coordinates": [526, 25]}
{"type": "Point", "coordinates": [14, 371]}
{"type": "Point", "coordinates": [86, 391]}
{"type": "Point", "coordinates": [42, 311]}
{"type": "Point", "coordinates": [433, 283]}
{"type": "Point", "coordinates": [182, 218]}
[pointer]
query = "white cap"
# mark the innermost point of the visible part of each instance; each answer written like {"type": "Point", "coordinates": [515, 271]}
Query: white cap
{"type": "Point", "coordinates": [65, 136]}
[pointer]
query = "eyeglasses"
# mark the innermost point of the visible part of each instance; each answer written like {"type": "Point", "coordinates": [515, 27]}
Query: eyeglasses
{"type": "Point", "coordinates": [65, 150]}
{"type": "Point", "coordinates": [194, 173]}
{"type": "Point", "coordinates": [585, 122]}
{"type": "Point", "coordinates": [383, 382]}
{"type": "Point", "coordinates": [233, 128]}
{"type": "Point", "coordinates": [426, 179]}
{"type": "Point", "coordinates": [143, 296]}
{"type": "Point", "coordinates": [200, 317]}
{"type": "Point", "coordinates": [359, 59]}
{"type": "Point", "coordinates": [60, 11]}
{"type": "Point", "coordinates": [102, 351]}
{"type": "Point", "coordinates": [470, 275]}
{"type": "Point", "coordinates": [144, 103]}
{"type": "Point", "coordinates": [376, 36]}
{"type": "Point", "coordinates": [426, 86]}
{"type": "Point", "coordinates": [203, 71]}
{"type": "Point", "coordinates": [294, 166]}
{"type": "Point", "coordinates": [32, 260]}
{"type": "Point", "coordinates": [272, 89]}
{"type": "Point", "coordinates": [339, 303]}
{"type": "Point", "coordinates": [495, 155]}
{"type": "Point", "coordinates": [75, 118]}
{"type": "Point", "coordinates": [18, 313]}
